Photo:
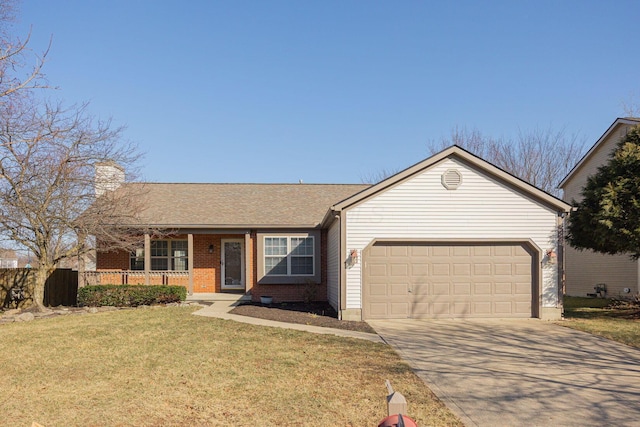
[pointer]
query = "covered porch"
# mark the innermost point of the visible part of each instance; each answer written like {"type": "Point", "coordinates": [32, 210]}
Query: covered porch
{"type": "Point", "coordinates": [204, 261]}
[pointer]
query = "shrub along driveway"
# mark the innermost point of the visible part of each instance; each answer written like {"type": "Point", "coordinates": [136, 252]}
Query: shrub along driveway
{"type": "Point", "coordinates": [521, 372]}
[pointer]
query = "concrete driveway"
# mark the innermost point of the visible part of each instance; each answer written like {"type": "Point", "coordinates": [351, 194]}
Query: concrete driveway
{"type": "Point", "coordinates": [520, 372]}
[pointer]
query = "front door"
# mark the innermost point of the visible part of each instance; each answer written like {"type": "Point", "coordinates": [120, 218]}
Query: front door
{"type": "Point", "coordinates": [232, 264]}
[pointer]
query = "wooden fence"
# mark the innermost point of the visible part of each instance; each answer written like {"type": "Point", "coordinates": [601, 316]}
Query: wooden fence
{"type": "Point", "coordinates": [61, 288]}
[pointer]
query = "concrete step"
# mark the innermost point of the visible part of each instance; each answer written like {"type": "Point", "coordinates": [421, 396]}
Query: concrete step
{"type": "Point", "coordinates": [218, 297]}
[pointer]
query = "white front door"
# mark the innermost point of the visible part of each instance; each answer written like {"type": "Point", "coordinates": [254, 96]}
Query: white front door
{"type": "Point", "coordinates": [232, 264]}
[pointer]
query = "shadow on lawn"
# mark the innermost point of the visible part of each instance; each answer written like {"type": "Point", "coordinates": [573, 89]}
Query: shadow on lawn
{"type": "Point", "coordinates": [600, 308]}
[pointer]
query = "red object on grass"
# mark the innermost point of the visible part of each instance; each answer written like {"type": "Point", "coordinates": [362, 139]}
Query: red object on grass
{"type": "Point", "coordinates": [398, 420]}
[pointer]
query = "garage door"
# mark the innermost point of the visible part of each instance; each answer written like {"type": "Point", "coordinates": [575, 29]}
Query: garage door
{"type": "Point", "coordinates": [454, 280]}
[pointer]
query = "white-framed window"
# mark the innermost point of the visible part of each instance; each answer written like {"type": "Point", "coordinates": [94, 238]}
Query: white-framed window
{"type": "Point", "coordinates": [137, 259]}
{"type": "Point", "coordinates": [289, 256]}
{"type": "Point", "coordinates": [166, 255]}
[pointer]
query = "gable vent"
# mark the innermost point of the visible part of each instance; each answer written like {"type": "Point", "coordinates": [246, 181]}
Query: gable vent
{"type": "Point", "coordinates": [451, 179]}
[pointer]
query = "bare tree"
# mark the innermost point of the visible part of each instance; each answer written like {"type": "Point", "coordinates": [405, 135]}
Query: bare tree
{"type": "Point", "coordinates": [48, 203]}
{"type": "Point", "coordinates": [541, 157]}
{"type": "Point", "coordinates": [375, 177]}
{"type": "Point", "coordinates": [631, 105]}
{"type": "Point", "coordinates": [15, 54]}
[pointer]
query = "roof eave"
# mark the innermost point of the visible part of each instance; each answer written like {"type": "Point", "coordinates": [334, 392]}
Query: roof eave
{"type": "Point", "coordinates": [536, 193]}
{"type": "Point", "coordinates": [221, 226]}
{"type": "Point", "coordinates": [594, 147]}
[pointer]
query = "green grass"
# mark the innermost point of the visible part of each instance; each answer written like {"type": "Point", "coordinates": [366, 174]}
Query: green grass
{"type": "Point", "coordinates": [600, 316]}
{"type": "Point", "coordinates": [166, 367]}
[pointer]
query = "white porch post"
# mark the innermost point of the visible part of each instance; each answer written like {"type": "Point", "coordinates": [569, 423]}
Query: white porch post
{"type": "Point", "coordinates": [147, 258]}
{"type": "Point", "coordinates": [247, 259]}
{"type": "Point", "coordinates": [190, 261]}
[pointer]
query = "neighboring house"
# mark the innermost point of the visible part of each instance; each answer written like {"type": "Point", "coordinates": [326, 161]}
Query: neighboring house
{"type": "Point", "coordinates": [587, 269]}
{"type": "Point", "coordinates": [8, 259]}
{"type": "Point", "coordinates": [452, 236]}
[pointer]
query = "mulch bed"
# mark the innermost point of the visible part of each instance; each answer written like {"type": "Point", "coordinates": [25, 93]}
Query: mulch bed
{"type": "Point", "coordinates": [316, 314]}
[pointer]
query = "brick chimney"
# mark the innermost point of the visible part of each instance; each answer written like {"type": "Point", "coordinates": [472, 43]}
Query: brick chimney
{"type": "Point", "coordinates": [109, 176]}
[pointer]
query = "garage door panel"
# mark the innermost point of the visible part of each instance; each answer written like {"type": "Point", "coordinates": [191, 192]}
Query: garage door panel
{"type": "Point", "coordinates": [523, 307]}
{"type": "Point", "coordinates": [503, 307]}
{"type": "Point", "coordinates": [399, 309]}
{"type": "Point", "coordinates": [482, 268]}
{"type": "Point", "coordinates": [523, 288]}
{"type": "Point", "coordinates": [457, 280]}
{"type": "Point", "coordinates": [399, 251]}
{"type": "Point", "coordinates": [503, 269]}
{"type": "Point", "coordinates": [503, 250]}
{"type": "Point", "coordinates": [400, 270]}
{"type": "Point", "coordinates": [440, 269]}
{"type": "Point", "coordinates": [441, 309]}
{"type": "Point", "coordinates": [503, 289]}
{"type": "Point", "coordinates": [377, 270]}
{"type": "Point", "coordinates": [418, 289]}
{"type": "Point", "coordinates": [439, 251]}
{"type": "Point", "coordinates": [482, 308]}
{"type": "Point", "coordinates": [378, 251]}
{"type": "Point", "coordinates": [418, 250]}
{"type": "Point", "coordinates": [378, 289]}
{"type": "Point", "coordinates": [419, 270]}
{"type": "Point", "coordinates": [462, 289]}
{"type": "Point", "coordinates": [461, 308]}
{"type": "Point", "coordinates": [462, 269]}
{"type": "Point", "coordinates": [398, 289]}
{"type": "Point", "coordinates": [379, 310]}
{"type": "Point", "coordinates": [480, 289]}
{"type": "Point", "coordinates": [523, 269]}
{"type": "Point", "coordinates": [461, 251]}
{"type": "Point", "coordinates": [439, 289]}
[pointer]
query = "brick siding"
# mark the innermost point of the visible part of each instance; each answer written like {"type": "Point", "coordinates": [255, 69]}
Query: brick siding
{"type": "Point", "coordinates": [207, 274]}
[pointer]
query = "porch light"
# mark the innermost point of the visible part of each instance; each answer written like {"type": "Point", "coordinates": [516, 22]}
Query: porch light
{"type": "Point", "coordinates": [211, 248]}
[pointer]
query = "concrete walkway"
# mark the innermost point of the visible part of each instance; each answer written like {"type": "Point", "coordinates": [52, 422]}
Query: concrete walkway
{"type": "Point", "coordinates": [221, 306]}
{"type": "Point", "coordinates": [521, 372]}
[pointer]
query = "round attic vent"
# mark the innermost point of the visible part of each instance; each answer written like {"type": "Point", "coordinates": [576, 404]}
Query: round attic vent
{"type": "Point", "coordinates": [451, 179]}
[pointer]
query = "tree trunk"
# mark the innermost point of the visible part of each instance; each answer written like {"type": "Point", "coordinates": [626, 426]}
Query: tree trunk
{"type": "Point", "coordinates": [41, 276]}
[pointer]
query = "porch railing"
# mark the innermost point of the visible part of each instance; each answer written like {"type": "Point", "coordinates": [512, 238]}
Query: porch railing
{"type": "Point", "coordinates": [133, 277]}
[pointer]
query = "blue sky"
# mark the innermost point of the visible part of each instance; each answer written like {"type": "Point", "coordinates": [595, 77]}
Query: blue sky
{"type": "Point", "coordinates": [331, 91]}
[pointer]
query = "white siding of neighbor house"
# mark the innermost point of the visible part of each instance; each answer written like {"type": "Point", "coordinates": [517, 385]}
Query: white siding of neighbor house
{"type": "Point", "coordinates": [480, 208]}
{"type": "Point", "coordinates": [585, 269]}
{"type": "Point", "coordinates": [333, 264]}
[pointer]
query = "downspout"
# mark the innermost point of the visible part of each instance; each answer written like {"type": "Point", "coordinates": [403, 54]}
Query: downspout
{"type": "Point", "coordinates": [343, 266]}
{"type": "Point", "coordinates": [561, 221]}
{"type": "Point", "coordinates": [337, 217]}
{"type": "Point", "coordinates": [147, 258]}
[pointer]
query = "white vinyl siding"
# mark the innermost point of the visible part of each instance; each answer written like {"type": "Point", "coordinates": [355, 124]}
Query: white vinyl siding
{"type": "Point", "coordinates": [333, 264]}
{"type": "Point", "coordinates": [421, 208]}
{"type": "Point", "coordinates": [573, 187]}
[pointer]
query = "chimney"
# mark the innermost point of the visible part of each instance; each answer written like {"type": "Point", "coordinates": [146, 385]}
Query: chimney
{"type": "Point", "coordinates": [109, 176]}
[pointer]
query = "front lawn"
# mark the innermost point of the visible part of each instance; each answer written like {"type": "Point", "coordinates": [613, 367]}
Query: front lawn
{"type": "Point", "coordinates": [604, 317]}
{"type": "Point", "coordinates": [164, 366]}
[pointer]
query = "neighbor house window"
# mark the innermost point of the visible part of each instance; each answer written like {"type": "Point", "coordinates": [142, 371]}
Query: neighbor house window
{"type": "Point", "coordinates": [288, 256]}
{"type": "Point", "coordinates": [137, 259]}
{"type": "Point", "coordinates": [165, 255]}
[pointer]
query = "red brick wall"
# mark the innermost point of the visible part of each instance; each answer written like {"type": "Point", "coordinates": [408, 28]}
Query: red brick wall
{"type": "Point", "coordinates": [206, 266]}
{"type": "Point", "coordinates": [206, 269]}
{"type": "Point", "coordinates": [113, 260]}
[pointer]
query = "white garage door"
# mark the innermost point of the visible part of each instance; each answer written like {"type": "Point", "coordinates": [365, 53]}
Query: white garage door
{"type": "Point", "coordinates": [419, 280]}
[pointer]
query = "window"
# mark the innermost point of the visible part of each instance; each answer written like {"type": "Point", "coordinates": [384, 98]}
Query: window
{"type": "Point", "coordinates": [137, 259]}
{"type": "Point", "coordinates": [288, 256]}
{"type": "Point", "coordinates": [165, 255]}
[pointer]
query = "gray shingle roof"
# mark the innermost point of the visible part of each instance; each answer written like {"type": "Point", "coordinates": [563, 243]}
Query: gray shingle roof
{"type": "Point", "coordinates": [241, 205]}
